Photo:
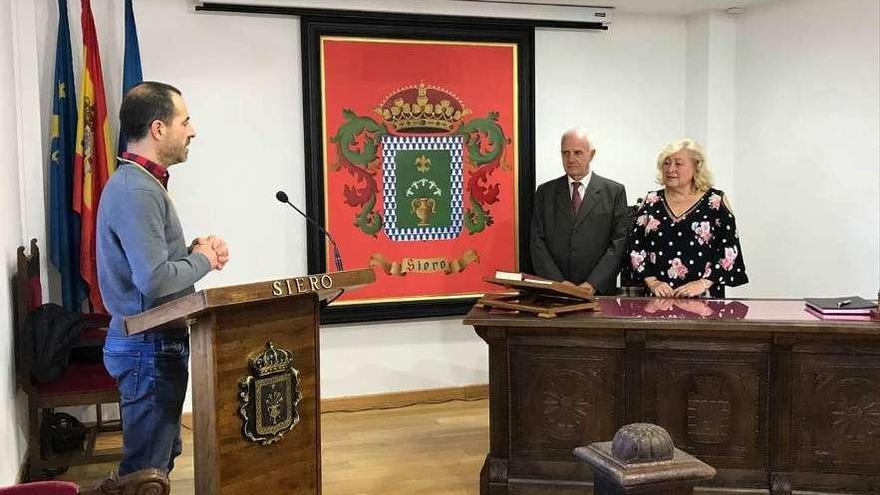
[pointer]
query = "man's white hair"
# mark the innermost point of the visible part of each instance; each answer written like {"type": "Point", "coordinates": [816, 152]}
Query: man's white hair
{"type": "Point", "coordinates": [580, 133]}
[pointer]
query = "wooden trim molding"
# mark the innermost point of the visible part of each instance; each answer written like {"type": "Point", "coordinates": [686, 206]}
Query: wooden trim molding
{"type": "Point", "coordinates": [402, 399]}
{"type": "Point", "coordinates": [391, 400]}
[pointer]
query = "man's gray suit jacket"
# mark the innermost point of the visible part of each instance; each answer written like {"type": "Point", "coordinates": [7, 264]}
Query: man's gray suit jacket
{"type": "Point", "coordinates": [587, 247]}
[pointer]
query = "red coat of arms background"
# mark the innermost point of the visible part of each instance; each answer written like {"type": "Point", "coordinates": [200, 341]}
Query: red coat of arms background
{"type": "Point", "coordinates": [421, 168]}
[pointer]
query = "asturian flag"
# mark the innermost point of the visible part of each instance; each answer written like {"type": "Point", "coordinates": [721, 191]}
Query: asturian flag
{"type": "Point", "coordinates": [94, 154]}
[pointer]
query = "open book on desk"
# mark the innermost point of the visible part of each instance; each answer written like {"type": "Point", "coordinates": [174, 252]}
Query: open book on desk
{"type": "Point", "coordinates": [850, 305]}
{"type": "Point", "coordinates": [545, 298]}
{"type": "Point", "coordinates": [518, 277]}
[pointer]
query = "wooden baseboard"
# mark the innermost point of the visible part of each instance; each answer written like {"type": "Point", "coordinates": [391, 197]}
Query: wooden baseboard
{"type": "Point", "coordinates": [391, 400]}
{"type": "Point", "coordinates": [402, 399]}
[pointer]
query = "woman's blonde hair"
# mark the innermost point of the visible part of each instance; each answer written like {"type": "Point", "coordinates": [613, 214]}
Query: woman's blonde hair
{"type": "Point", "coordinates": [702, 174]}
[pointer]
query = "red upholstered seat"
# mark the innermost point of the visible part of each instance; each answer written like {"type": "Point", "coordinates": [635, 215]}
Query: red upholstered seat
{"type": "Point", "coordinates": [91, 337]}
{"type": "Point", "coordinates": [79, 378]}
{"type": "Point", "coordinates": [96, 334]}
{"type": "Point", "coordinates": [42, 488]}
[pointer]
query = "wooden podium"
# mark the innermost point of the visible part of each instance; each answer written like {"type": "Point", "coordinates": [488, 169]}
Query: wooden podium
{"type": "Point", "coordinates": [254, 353]}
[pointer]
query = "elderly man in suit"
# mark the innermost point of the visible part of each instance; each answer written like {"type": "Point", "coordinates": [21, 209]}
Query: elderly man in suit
{"type": "Point", "coordinates": [579, 222]}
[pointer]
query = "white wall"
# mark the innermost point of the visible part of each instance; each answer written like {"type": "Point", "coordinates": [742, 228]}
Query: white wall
{"type": "Point", "coordinates": [711, 92]}
{"type": "Point", "coordinates": [626, 86]}
{"type": "Point", "coordinates": [808, 147]}
{"type": "Point", "coordinates": [21, 201]}
{"type": "Point", "coordinates": [10, 238]}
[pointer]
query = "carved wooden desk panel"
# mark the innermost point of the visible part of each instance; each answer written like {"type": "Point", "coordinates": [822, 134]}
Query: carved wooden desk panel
{"type": "Point", "coordinates": [763, 391]}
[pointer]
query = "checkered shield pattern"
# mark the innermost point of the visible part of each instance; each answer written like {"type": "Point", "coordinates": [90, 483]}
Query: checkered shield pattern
{"type": "Point", "coordinates": [391, 145]}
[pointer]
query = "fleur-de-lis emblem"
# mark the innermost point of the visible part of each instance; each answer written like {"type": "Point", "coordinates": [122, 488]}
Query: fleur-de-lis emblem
{"type": "Point", "coordinates": [423, 164]}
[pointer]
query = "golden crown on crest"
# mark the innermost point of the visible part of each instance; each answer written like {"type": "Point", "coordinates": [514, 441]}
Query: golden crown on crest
{"type": "Point", "coordinates": [271, 360]}
{"type": "Point", "coordinates": [422, 109]}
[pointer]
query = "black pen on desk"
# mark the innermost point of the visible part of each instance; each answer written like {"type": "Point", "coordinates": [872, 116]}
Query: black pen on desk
{"type": "Point", "coordinates": [844, 303]}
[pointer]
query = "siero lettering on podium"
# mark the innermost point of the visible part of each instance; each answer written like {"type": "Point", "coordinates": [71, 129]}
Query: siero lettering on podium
{"type": "Point", "coordinates": [301, 285]}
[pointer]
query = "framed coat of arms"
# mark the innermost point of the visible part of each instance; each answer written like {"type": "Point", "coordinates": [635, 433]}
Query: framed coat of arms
{"type": "Point", "coordinates": [419, 157]}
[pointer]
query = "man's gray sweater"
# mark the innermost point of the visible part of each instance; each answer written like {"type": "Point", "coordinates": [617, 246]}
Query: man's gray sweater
{"type": "Point", "coordinates": [143, 258]}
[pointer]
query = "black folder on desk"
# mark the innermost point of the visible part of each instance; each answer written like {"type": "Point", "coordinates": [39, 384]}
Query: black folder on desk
{"type": "Point", "coordinates": [851, 305]}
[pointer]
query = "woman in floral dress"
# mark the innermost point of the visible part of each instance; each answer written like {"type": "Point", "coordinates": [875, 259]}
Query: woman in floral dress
{"type": "Point", "coordinates": [684, 242]}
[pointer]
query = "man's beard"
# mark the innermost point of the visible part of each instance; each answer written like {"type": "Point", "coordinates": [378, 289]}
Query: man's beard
{"type": "Point", "coordinates": [174, 155]}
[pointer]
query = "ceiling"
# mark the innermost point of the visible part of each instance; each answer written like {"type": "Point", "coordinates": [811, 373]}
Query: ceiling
{"type": "Point", "coordinates": [671, 7]}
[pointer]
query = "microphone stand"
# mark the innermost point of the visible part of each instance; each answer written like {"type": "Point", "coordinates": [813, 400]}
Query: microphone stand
{"type": "Point", "coordinates": [337, 258]}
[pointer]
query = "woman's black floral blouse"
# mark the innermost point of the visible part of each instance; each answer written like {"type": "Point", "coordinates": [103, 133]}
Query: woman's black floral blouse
{"type": "Point", "coordinates": [701, 243]}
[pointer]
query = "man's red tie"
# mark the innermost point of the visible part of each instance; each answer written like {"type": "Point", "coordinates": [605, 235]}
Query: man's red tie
{"type": "Point", "coordinates": [575, 197]}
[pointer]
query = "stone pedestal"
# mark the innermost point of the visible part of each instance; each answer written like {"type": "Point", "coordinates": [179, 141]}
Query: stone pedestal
{"type": "Point", "coordinates": [641, 459]}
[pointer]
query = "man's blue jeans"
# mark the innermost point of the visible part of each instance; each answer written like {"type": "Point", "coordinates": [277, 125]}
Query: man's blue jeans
{"type": "Point", "coordinates": [152, 377]}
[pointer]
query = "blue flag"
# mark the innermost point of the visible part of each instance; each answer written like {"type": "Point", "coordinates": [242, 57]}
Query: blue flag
{"type": "Point", "coordinates": [132, 75]}
{"type": "Point", "coordinates": [64, 223]}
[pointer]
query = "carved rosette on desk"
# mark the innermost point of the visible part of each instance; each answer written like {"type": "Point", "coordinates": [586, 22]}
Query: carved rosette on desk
{"type": "Point", "coordinates": [269, 396]}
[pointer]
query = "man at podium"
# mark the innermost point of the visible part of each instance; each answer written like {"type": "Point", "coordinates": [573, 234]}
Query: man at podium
{"type": "Point", "coordinates": [144, 261]}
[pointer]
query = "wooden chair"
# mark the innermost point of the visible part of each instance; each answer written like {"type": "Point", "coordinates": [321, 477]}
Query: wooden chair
{"type": "Point", "coordinates": [81, 384]}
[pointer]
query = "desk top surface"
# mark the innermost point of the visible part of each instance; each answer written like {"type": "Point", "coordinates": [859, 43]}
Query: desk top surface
{"type": "Point", "coordinates": [635, 313]}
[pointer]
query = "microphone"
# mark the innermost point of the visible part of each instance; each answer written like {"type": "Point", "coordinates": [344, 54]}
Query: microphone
{"type": "Point", "coordinates": [337, 259]}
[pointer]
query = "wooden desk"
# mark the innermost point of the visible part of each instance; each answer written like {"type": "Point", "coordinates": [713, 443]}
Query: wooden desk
{"type": "Point", "coordinates": [760, 389]}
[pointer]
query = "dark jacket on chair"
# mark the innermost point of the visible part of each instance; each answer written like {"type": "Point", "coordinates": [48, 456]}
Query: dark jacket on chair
{"type": "Point", "coordinates": [54, 330]}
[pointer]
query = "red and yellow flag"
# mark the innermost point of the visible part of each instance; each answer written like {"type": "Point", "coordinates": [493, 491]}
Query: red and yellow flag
{"type": "Point", "coordinates": [94, 162]}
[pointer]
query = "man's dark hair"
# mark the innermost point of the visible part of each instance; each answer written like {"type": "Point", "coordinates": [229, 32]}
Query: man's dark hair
{"type": "Point", "coordinates": [143, 104]}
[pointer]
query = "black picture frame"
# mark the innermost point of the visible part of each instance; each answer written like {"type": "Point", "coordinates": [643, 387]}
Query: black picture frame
{"type": "Point", "coordinates": [408, 27]}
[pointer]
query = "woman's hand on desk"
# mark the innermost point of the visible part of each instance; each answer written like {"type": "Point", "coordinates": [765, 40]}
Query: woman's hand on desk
{"type": "Point", "coordinates": [692, 289]}
{"type": "Point", "coordinates": [658, 288]}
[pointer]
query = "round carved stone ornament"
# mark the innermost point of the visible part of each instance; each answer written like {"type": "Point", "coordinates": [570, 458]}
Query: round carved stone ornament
{"type": "Point", "coordinates": [638, 443]}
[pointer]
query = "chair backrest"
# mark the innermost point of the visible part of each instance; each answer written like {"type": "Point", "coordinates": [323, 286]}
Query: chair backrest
{"type": "Point", "coordinates": [28, 295]}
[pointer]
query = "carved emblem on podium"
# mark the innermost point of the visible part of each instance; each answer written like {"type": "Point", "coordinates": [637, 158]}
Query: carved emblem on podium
{"type": "Point", "coordinates": [268, 398]}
